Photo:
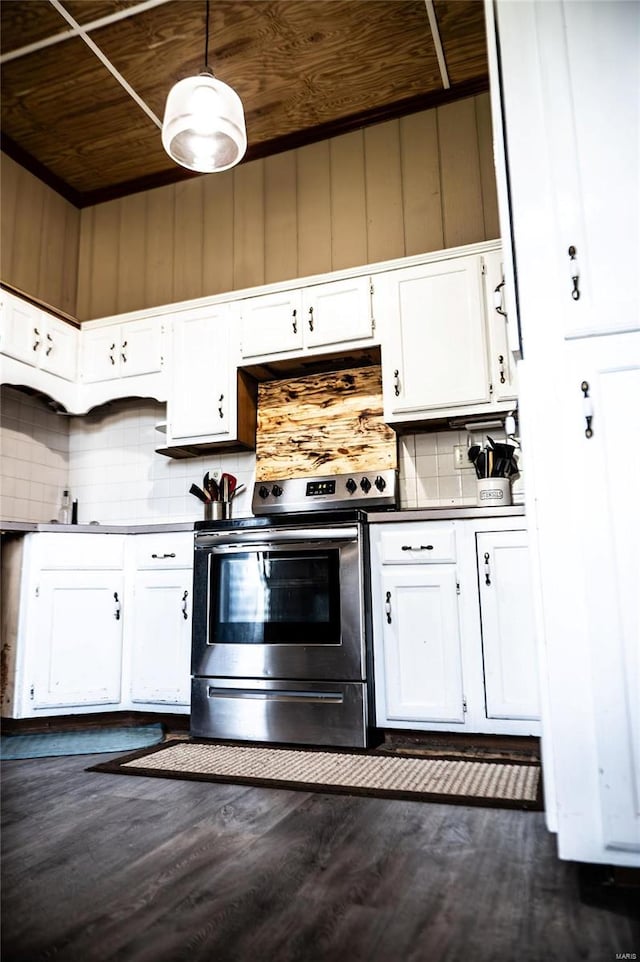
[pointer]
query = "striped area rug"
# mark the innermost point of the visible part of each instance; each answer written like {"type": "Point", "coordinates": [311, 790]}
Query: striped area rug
{"type": "Point", "coordinates": [506, 784]}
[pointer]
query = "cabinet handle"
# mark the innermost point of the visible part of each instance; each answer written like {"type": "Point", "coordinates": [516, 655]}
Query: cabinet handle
{"type": "Point", "coordinates": [487, 569]}
{"type": "Point", "coordinates": [184, 605]}
{"type": "Point", "coordinates": [311, 318]}
{"type": "Point", "coordinates": [220, 400]}
{"type": "Point", "coordinates": [36, 343]}
{"type": "Point", "coordinates": [387, 607]}
{"type": "Point", "coordinates": [497, 299]}
{"type": "Point", "coordinates": [422, 547]}
{"type": "Point", "coordinates": [396, 382]}
{"type": "Point", "coordinates": [116, 613]}
{"type": "Point", "coordinates": [587, 407]}
{"type": "Point", "coordinates": [171, 554]}
{"type": "Point", "coordinates": [294, 323]}
{"type": "Point", "coordinates": [111, 357]}
{"type": "Point", "coordinates": [122, 354]}
{"type": "Point", "coordinates": [575, 272]}
{"type": "Point", "coordinates": [501, 368]}
{"type": "Point", "coordinates": [50, 346]}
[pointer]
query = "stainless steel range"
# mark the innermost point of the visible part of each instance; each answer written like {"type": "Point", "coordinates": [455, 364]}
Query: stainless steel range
{"type": "Point", "coordinates": [281, 615]}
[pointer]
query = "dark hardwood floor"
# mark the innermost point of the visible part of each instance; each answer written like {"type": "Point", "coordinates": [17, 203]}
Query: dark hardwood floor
{"type": "Point", "coordinates": [100, 867]}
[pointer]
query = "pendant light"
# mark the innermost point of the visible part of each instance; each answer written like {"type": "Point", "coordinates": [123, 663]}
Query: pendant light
{"type": "Point", "coordinates": [203, 127]}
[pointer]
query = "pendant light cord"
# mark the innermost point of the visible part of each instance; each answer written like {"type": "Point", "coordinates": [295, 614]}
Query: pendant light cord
{"type": "Point", "coordinates": [206, 42]}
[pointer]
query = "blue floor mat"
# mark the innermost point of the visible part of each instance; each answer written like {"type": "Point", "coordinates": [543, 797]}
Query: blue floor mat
{"type": "Point", "coordinates": [88, 742]}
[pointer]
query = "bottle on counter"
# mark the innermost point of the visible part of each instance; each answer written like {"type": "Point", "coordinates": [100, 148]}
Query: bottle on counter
{"type": "Point", "coordinates": [74, 511]}
{"type": "Point", "coordinates": [65, 507]}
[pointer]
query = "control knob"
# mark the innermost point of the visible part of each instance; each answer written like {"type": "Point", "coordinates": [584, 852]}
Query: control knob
{"type": "Point", "coordinates": [263, 491]}
{"type": "Point", "coordinates": [351, 486]}
{"type": "Point", "coordinates": [365, 484]}
{"type": "Point", "coordinates": [276, 490]}
{"type": "Point", "coordinates": [380, 483]}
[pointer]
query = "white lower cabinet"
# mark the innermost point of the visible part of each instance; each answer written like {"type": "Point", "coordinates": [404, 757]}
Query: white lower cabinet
{"type": "Point", "coordinates": [451, 651]}
{"type": "Point", "coordinates": [421, 644]}
{"type": "Point", "coordinates": [161, 620]}
{"type": "Point", "coordinates": [103, 622]}
{"type": "Point", "coordinates": [77, 641]}
{"type": "Point", "coordinates": [508, 635]}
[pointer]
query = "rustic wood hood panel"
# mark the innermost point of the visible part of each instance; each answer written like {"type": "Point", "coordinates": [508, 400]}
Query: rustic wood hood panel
{"type": "Point", "coordinates": [323, 424]}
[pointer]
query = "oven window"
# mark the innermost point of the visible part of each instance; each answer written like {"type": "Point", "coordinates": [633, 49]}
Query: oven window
{"type": "Point", "coordinates": [275, 597]}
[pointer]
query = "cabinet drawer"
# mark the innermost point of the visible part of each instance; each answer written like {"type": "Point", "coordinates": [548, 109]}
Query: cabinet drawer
{"type": "Point", "coordinates": [418, 544]}
{"type": "Point", "coordinates": [170, 550]}
{"type": "Point", "coordinates": [76, 550]}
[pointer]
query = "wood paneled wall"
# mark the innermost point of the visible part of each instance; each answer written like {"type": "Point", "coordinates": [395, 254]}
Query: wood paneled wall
{"type": "Point", "coordinates": [39, 241]}
{"type": "Point", "coordinates": [408, 186]}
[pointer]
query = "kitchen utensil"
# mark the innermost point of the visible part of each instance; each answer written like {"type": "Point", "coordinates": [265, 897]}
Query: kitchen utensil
{"type": "Point", "coordinates": [199, 493]}
{"type": "Point", "coordinates": [228, 485]}
{"type": "Point", "coordinates": [213, 489]}
{"type": "Point", "coordinates": [473, 452]}
{"type": "Point", "coordinates": [237, 491]}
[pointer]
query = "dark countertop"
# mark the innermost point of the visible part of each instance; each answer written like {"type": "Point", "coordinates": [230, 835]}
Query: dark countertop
{"type": "Point", "coordinates": [447, 513]}
{"type": "Point", "coordinates": [26, 526]}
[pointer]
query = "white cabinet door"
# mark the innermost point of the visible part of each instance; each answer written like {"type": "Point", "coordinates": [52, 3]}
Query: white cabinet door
{"type": "Point", "coordinates": [338, 312]}
{"type": "Point", "coordinates": [60, 349]}
{"type": "Point", "coordinates": [202, 404]}
{"type": "Point", "coordinates": [22, 329]}
{"type": "Point", "coordinates": [608, 523]}
{"type": "Point", "coordinates": [436, 356]}
{"type": "Point", "coordinates": [37, 338]}
{"type": "Point", "coordinates": [421, 641]}
{"type": "Point", "coordinates": [121, 351]}
{"type": "Point", "coordinates": [502, 365]}
{"type": "Point", "coordinates": [77, 642]}
{"type": "Point", "coordinates": [307, 319]}
{"type": "Point", "coordinates": [272, 324]}
{"type": "Point", "coordinates": [161, 639]}
{"type": "Point", "coordinates": [508, 632]}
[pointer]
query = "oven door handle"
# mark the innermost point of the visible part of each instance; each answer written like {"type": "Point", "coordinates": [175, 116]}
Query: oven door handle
{"type": "Point", "coordinates": [309, 697]}
{"type": "Point", "coordinates": [298, 537]}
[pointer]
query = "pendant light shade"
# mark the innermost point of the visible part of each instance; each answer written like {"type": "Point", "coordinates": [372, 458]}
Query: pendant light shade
{"type": "Point", "coordinates": [203, 127]}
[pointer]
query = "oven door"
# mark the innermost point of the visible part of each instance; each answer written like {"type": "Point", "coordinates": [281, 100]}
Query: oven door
{"type": "Point", "coordinates": [290, 605]}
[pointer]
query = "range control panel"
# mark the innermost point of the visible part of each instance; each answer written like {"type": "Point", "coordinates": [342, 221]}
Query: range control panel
{"type": "Point", "coordinates": [371, 489]}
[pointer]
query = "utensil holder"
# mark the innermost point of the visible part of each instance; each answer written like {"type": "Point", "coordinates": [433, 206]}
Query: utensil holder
{"type": "Point", "coordinates": [217, 510]}
{"type": "Point", "coordinates": [493, 491]}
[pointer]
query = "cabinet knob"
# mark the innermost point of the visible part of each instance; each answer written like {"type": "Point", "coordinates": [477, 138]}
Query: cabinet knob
{"type": "Point", "coordinates": [220, 400]}
{"type": "Point", "coordinates": [487, 569]}
{"type": "Point", "coordinates": [396, 382]}
{"type": "Point", "coordinates": [497, 299]}
{"type": "Point", "coordinates": [575, 272]}
{"type": "Point", "coordinates": [170, 554]}
{"type": "Point", "coordinates": [387, 607]}
{"type": "Point", "coordinates": [294, 322]}
{"type": "Point", "coordinates": [36, 343]}
{"type": "Point", "coordinates": [587, 407]}
{"type": "Point", "coordinates": [311, 318]}
{"type": "Point", "coordinates": [501, 368]}
{"type": "Point", "coordinates": [116, 613]}
{"type": "Point", "coordinates": [184, 605]}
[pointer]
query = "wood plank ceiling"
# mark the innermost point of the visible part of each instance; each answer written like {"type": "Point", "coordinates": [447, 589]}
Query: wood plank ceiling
{"type": "Point", "coordinates": [305, 70]}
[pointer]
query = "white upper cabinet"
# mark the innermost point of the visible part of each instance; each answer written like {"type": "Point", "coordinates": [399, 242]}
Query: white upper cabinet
{"type": "Point", "coordinates": [307, 319]}
{"type": "Point", "coordinates": [122, 350]}
{"type": "Point", "coordinates": [37, 338]}
{"type": "Point", "coordinates": [201, 404]}
{"type": "Point", "coordinates": [210, 401]}
{"type": "Point", "coordinates": [436, 352]}
{"type": "Point", "coordinates": [502, 364]}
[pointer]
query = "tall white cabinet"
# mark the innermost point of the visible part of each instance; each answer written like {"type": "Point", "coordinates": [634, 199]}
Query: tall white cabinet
{"type": "Point", "coordinates": [568, 76]}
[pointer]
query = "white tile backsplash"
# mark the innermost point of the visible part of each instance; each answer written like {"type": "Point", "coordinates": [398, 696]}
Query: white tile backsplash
{"type": "Point", "coordinates": [108, 461]}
